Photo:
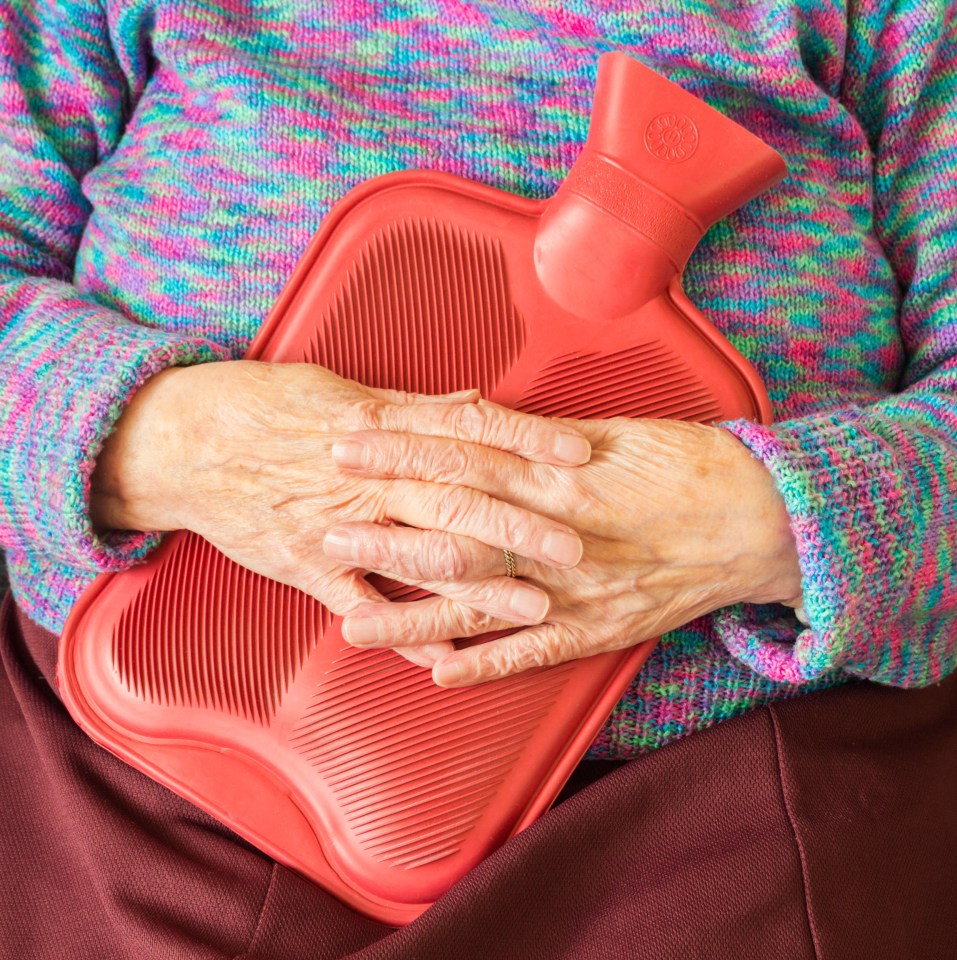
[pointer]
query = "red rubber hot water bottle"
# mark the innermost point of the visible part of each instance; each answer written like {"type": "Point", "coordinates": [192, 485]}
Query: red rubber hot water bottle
{"type": "Point", "coordinates": [240, 694]}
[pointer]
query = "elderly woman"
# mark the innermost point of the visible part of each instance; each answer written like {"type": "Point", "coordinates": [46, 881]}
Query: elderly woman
{"type": "Point", "coordinates": [164, 165]}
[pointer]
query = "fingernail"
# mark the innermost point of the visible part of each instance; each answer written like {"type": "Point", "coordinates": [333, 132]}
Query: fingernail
{"type": "Point", "coordinates": [572, 449]}
{"type": "Point", "coordinates": [350, 453]}
{"type": "Point", "coordinates": [528, 603]}
{"type": "Point", "coordinates": [447, 673]}
{"type": "Point", "coordinates": [361, 631]}
{"type": "Point", "coordinates": [339, 544]}
{"type": "Point", "coordinates": [562, 548]}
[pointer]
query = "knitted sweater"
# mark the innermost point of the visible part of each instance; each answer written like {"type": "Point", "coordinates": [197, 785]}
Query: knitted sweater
{"type": "Point", "coordinates": [163, 165]}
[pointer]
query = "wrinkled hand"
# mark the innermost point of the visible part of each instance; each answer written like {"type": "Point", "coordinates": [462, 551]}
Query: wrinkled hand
{"type": "Point", "coordinates": [239, 452]}
{"type": "Point", "coordinates": [677, 519]}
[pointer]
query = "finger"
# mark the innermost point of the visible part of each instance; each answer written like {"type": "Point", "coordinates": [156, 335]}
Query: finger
{"type": "Point", "coordinates": [533, 437]}
{"type": "Point", "coordinates": [428, 654]}
{"type": "Point", "coordinates": [471, 395]}
{"type": "Point", "coordinates": [547, 644]}
{"type": "Point", "coordinates": [472, 513]}
{"type": "Point", "coordinates": [415, 554]}
{"type": "Point", "coordinates": [386, 454]}
{"type": "Point", "coordinates": [505, 601]}
{"type": "Point", "coordinates": [340, 589]}
{"type": "Point", "coordinates": [343, 590]}
{"type": "Point", "coordinates": [402, 626]}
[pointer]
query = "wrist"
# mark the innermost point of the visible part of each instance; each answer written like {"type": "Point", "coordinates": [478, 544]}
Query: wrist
{"type": "Point", "coordinates": [766, 568]}
{"type": "Point", "coordinates": [133, 486]}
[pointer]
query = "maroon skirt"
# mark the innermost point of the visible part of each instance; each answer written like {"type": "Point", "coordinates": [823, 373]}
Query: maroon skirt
{"type": "Point", "coordinates": [820, 827]}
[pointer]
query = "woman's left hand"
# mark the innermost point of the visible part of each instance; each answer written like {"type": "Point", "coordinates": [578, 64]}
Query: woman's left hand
{"type": "Point", "coordinates": [677, 519]}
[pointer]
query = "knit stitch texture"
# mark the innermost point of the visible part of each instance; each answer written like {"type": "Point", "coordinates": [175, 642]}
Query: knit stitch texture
{"type": "Point", "coordinates": [163, 165]}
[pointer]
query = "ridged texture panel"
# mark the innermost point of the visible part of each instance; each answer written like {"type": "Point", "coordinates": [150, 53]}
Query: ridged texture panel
{"type": "Point", "coordinates": [425, 307]}
{"type": "Point", "coordinates": [233, 641]}
{"type": "Point", "coordinates": [646, 380]}
{"type": "Point", "coordinates": [378, 731]}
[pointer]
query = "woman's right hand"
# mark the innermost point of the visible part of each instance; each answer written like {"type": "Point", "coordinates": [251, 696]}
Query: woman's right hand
{"type": "Point", "coordinates": [240, 453]}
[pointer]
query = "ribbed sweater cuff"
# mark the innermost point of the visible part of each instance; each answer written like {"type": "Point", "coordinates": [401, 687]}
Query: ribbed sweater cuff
{"type": "Point", "coordinates": [853, 516]}
{"type": "Point", "coordinates": [66, 408]}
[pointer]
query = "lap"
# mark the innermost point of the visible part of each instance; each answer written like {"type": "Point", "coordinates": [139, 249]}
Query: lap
{"type": "Point", "coordinates": [818, 827]}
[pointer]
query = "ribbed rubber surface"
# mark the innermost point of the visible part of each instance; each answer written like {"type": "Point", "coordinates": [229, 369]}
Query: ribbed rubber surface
{"type": "Point", "coordinates": [425, 305]}
{"type": "Point", "coordinates": [645, 380]}
{"type": "Point", "coordinates": [187, 638]}
{"type": "Point", "coordinates": [429, 791]}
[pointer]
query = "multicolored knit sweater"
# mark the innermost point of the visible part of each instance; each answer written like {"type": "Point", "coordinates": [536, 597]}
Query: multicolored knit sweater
{"type": "Point", "coordinates": [163, 165]}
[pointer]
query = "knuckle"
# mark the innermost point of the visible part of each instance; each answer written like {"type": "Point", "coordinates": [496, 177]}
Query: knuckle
{"type": "Point", "coordinates": [317, 586]}
{"type": "Point", "coordinates": [545, 648]}
{"type": "Point", "coordinates": [331, 591]}
{"type": "Point", "coordinates": [477, 621]}
{"type": "Point", "coordinates": [515, 430]}
{"type": "Point", "coordinates": [526, 430]}
{"type": "Point", "coordinates": [487, 593]}
{"type": "Point", "coordinates": [531, 655]}
{"type": "Point", "coordinates": [452, 506]}
{"type": "Point", "coordinates": [508, 430]}
{"type": "Point", "coordinates": [470, 421]}
{"type": "Point", "coordinates": [399, 396]}
{"type": "Point", "coordinates": [518, 530]}
{"type": "Point", "coordinates": [439, 557]}
{"type": "Point", "coordinates": [389, 452]}
{"type": "Point", "coordinates": [370, 413]}
{"type": "Point", "coordinates": [444, 559]}
{"type": "Point", "coordinates": [370, 550]}
{"type": "Point", "coordinates": [509, 659]}
{"type": "Point", "coordinates": [454, 464]}
{"type": "Point", "coordinates": [493, 661]}
{"type": "Point", "coordinates": [393, 629]}
{"type": "Point", "coordinates": [482, 516]}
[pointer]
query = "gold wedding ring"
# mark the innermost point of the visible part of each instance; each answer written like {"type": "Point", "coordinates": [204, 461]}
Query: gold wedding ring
{"type": "Point", "coordinates": [509, 563]}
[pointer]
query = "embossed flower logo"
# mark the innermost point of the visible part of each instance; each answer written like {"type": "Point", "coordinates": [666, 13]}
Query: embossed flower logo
{"type": "Point", "coordinates": [671, 136]}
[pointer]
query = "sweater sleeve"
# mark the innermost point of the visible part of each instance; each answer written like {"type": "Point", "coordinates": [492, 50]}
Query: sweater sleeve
{"type": "Point", "coordinates": [68, 363]}
{"type": "Point", "coordinates": [872, 489]}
